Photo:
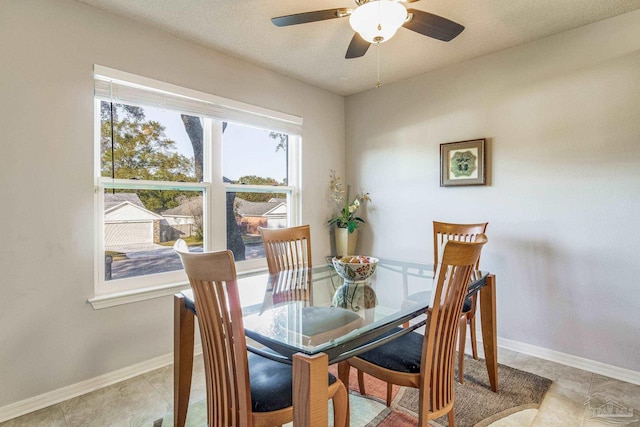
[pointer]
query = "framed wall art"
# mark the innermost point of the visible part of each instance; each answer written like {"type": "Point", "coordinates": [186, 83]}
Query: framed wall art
{"type": "Point", "coordinates": [462, 163]}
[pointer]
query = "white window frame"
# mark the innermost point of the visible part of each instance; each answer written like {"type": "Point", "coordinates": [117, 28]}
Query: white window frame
{"type": "Point", "coordinates": [215, 110]}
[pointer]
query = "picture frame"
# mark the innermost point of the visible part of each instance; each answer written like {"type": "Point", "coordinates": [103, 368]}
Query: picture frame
{"type": "Point", "coordinates": [463, 163]}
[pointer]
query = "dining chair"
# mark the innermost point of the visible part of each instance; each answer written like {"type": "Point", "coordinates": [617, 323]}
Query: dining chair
{"type": "Point", "coordinates": [180, 246]}
{"type": "Point", "coordinates": [243, 388]}
{"type": "Point", "coordinates": [288, 251]}
{"type": "Point", "coordinates": [443, 232]}
{"type": "Point", "coordinates": [427, 361]}
{"type": "Point", "coordinates": [287, 248]}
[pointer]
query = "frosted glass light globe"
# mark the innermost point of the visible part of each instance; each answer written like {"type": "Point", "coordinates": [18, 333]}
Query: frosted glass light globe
{"type": "Point", "coordinates": [378, 20]}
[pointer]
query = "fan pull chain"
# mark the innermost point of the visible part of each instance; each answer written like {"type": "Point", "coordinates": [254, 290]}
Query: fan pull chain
{"type": "Point", "coordinates": [378, 84]}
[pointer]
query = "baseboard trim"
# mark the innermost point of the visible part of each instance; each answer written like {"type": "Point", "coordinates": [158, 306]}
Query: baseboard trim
{"type": "Point", "coordinates": [596, 367]}
{"type": "Point", "coordinates": [36, 403]}
{"type": "Point", "coordinates": [599, 368]}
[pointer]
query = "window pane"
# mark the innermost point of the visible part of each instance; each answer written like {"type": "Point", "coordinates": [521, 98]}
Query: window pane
{"type": "Point", "coordinates": [248, 211]}
{"type": "Point", "coordinates": [254, 156]}
{"type": "Point", "coordinates": [150, 143]}
{"type": "Point", "coordinates": [140, 227]}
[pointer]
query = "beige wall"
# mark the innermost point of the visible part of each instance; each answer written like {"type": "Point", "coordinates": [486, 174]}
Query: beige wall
{"type": "Point", "coordinates": [560, 114]}
{"type": "Point", "coordinates": [562, 119]}
{"type": "Point", "coordinates": [49, 336]}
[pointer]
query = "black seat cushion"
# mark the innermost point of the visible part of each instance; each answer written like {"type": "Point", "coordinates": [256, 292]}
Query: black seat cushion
{"type": "Point", "coordinates": [467, 305]}
{"type": "Point", "coordinates": [402, 354]}
{"type": "Point", "coordinates": [271, 386]}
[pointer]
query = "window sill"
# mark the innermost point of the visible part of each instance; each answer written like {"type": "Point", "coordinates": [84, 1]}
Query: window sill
{"type": "Point", "coordinates": [135, 295]}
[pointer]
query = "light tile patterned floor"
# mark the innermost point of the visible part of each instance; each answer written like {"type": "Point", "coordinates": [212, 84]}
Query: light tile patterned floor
{"type": "Point", "coordinates": [572, 400]}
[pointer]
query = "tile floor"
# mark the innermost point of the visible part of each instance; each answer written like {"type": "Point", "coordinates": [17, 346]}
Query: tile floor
{"type": "Point", "coordinates": [143, 399]}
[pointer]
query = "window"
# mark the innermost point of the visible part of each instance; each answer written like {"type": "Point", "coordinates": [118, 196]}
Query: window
{"type": "Point", "coordinates": [174, 163]}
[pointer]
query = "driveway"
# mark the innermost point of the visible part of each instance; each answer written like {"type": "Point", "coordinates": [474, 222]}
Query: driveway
{"type": "Point", "coordinates": [152, 259]}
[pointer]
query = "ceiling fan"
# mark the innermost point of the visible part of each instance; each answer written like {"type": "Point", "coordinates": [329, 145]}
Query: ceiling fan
{"type": "Point", "coordinates": [376, 21]}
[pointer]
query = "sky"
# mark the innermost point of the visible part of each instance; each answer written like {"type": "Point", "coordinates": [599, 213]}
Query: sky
{"type": "Point", "coordinates": [246, 150]}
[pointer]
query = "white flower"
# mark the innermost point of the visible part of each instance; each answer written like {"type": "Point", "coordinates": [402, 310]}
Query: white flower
{"type": "Point", "coordinates": [347, 217]}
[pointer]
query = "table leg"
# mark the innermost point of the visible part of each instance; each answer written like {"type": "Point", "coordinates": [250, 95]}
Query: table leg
{"type": "Point", "coordinates": [310, 390]}
{"type": "Point", "coordinates": [489, 332]}
{"type": "Point", "coordinates": [183, 342]}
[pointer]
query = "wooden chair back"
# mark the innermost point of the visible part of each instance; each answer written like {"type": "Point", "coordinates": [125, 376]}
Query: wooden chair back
{"type": "Point", "coordinates": [287, 248]}
{"type": "Point", "coordinates": [290, 285]}
{"type": "Point", "coordinates": [443, 232]}
{"type": "Point", "coordinates": [212, 276]}
{"type": "Point", "coordinates": [453, 272]}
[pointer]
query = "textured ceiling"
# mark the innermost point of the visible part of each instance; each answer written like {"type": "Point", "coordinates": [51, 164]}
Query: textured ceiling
{"type": "Point", "coordinates": [314, 52]}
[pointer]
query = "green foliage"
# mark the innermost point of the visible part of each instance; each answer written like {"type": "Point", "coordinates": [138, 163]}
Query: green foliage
{"type": "Point", "coordinates": [141, 151]}
{"type": "Point", "coordinates": [259, 197]}
{"type": "Point", "coordinates": [140, 148]}
{"type": "Point", "coordinates": [284, 140]}
{"type": "Point", "coordinates": [257, 180]}
{"type": "Point", "coordinates": [347, 217]}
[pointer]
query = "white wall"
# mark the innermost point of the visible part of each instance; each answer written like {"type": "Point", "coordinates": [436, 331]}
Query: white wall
{"type": "Point", "coordinates": [50, 337]}
{"type": "Point", "coordinates": [562, 119]}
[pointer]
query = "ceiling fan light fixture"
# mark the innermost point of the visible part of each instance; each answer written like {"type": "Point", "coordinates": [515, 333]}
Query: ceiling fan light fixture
{"type": "Point", "coordinates": [378, 20]}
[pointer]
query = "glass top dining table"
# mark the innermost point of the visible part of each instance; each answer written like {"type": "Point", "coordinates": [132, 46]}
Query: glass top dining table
{"type": "Point", "coordinates": [313, 318]}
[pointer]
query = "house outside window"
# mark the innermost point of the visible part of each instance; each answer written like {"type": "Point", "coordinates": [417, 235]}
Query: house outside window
{"type": "Point", "coordinates": [172, 163]}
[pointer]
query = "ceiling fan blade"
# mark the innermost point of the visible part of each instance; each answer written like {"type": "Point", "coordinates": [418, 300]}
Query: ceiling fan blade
{"type": "Point", "coordinates": [303, 18]}
{"type": "Point", "coordinates": [357, 48]}
{"type": "Point", "coordinates": [432, 25]}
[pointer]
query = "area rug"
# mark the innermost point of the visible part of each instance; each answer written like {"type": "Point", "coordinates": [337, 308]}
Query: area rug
{"type": "Point", "coordinates": [475, 406]}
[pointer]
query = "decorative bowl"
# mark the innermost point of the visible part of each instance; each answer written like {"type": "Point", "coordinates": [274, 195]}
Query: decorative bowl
{"type": "Point", "coordinates": [354, 296]}
{"type": "Point", "coordinates": [355, 268]}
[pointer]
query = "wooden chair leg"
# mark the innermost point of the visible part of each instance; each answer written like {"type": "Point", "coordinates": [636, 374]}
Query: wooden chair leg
{"type": "Point", "coordinates": [340, 401]}
{"type": "Point", "coordinates": [451, 418]}
{"type": "Point", "coordinates": [389, 393]}
{"type": "Point", "coordinates": [184, 324]}
{"type": "Point", "coordinates": [474, 341]}
{"type": "Point", "coordinates": [462, 338]}
{"type": "Point", "coordinates": [361, 383]}
{"type": "Point", "coordinates": [343, 373]}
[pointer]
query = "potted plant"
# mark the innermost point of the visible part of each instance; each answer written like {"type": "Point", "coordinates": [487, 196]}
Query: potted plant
{"type": "Point", "coordinates": [346, 221]}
